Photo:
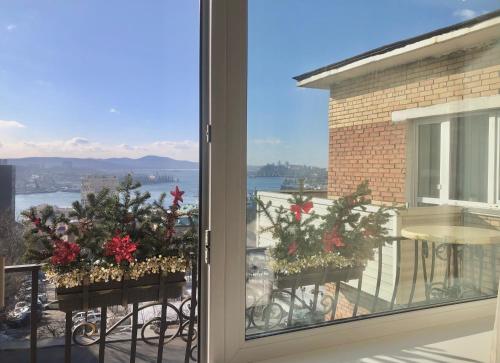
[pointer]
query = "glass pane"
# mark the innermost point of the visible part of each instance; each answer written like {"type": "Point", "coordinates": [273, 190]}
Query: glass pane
{"type": "Point", "coordinates": [429, 160]}
{"type": "Point", "coordinates": [99, 123]}
{"type": "Point", "coordinates": [469, 169]}
{"type": "Point", "coordinates": [334, 232]}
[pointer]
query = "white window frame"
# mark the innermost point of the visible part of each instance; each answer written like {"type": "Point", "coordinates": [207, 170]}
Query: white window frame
{"type": "Point", "coordinates": [224, 321]}
{"type": "Point", "coordinates": [493, 197]}
{"type": "Point", "coordinates": [497, 184]}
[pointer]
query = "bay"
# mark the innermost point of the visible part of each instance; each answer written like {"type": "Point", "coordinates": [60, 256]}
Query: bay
{"type": "Point", "coordinates": [187, 180]}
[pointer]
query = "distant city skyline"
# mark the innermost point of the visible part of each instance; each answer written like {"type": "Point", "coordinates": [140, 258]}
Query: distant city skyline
{"type": "Point", "coordinates": [114, 79]}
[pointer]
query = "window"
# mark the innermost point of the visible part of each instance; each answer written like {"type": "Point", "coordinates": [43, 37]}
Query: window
{"type": "Point", "coordinates": [296, 129]}
{"type": "Point", "coordinates": [469, 159]}
{"type": "Point", "coordinates": [429, 144]}
{"type": "Point", "coordinates": [454, 158]}
{"type": "Point", "coordinates": [99, 123]}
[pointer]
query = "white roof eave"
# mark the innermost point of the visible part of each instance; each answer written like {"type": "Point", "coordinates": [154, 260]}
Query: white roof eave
{"type": "Point", "coordinates": [438, 45]}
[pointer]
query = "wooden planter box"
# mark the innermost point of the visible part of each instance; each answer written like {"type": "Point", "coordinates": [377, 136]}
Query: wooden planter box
{"type": "Point", "coordinates": [319, 276]}
{"type": "Point", "coordinates": [151, 287]}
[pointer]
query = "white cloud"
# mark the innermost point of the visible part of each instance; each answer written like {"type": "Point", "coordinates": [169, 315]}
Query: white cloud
{"type": "Point", "coordinates": [82, 147]}
{"type": "Point", "coordinates": [126, 147]}
{"type": "Point", "coordinates": [466, 14]}
{"type": "Point", "coordinates": [267, 141]}
{"type": "Point", "coordinates": [10, 27]}
{"type": "Point", "coordinates": [113, 110]}
{"type": "Point", "coordinates": [11, 124]}
{"type": "Point", "coordinates": [78, 141]}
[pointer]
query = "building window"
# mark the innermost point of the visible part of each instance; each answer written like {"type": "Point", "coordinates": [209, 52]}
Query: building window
{"type": "Point", "coordinates": [469, 154]}
{"type": "Point", "coordinates": [429, 144]}
{"type": "Point", "coordinates": [454, 158]}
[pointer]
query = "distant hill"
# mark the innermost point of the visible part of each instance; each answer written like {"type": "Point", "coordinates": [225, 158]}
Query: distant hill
{"type": "Point", "coordinates": [111, 164]}
{"type": "Point", "coordinates": [291, 171]}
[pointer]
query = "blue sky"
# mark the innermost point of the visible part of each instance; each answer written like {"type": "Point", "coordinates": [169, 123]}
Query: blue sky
{"type": "Point", "coordinates": [290, 37]}
{"type": "Point", "coordinates": [99, 78]}
{"type": "Point", "coordinates": [120, 78]}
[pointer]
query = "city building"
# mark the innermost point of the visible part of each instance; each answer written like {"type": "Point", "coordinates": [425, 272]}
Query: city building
{"type": "Point", "coordinates": [7, 188]}
{"type": "Point", "coordinates": [94, 184]}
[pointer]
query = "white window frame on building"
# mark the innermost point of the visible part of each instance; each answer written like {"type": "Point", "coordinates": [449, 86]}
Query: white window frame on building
{"type": "Point", "coordinates": [447, 124]}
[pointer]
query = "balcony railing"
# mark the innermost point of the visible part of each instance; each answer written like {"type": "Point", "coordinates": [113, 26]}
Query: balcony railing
{"type": "Point", "coordinates": [185, 318]}
{"type": "Point", "coordinates": [34, 270]}
{"type": "Point", "coordinates": [426, 274]}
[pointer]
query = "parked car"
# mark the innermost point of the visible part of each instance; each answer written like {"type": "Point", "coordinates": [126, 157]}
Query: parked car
{"type": "Point", "coordinates": [21, 316]}
{"type": "Point", "coordinates": [90, 316]}
{"type": "Point", "coordinates": [21, 304]}
{"type": "Point", "coordinates": [43, 297]}
{"type": "Point", "coordinates": [27, 303]}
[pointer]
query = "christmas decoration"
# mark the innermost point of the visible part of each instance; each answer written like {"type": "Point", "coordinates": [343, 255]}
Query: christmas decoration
{"type": "Point", "coordinates": [121, 248]}
{"type": "Point", "coordinates": [112, 237]}
{"type": "Point", "coordinates": [177, 194]}
{"type": "Point", "coordinates": [344, 237]}
{"type": "Point", "coordinates": [64, 253]}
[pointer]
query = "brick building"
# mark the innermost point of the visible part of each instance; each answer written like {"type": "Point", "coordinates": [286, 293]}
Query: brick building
{"type": "Point", "coordinates": [379, 99]}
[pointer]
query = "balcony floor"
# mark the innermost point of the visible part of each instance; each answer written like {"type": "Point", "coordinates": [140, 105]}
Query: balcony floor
{"type": "Point", "coordinates": [116, 352]}
{"type": "Point", "coordinates": [468, 342]}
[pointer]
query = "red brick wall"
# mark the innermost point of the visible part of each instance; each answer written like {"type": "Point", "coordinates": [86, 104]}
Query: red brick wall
{"type": "Point", "coordinates": [345, 305]}
{"type": "Point", "coordinates": [374, 151]}
{"type": "Point", "coordinates": [365, 144]}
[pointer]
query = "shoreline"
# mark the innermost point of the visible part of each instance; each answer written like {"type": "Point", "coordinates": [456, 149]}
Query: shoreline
{"type": "Point", "coordinates": [48, 192]}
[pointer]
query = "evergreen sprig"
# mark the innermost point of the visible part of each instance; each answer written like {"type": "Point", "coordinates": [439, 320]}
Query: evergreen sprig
{"type": "Point", "coordinates": [152, 226]}
{"type": "Point", "coordinates": [348, 229]}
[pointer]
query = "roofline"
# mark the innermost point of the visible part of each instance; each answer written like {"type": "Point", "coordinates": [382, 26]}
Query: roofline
{"type": "Point", "coordinates": [399, 44]}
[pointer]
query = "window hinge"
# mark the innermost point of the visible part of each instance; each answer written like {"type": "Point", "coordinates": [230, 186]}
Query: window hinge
{"type": "Point", "coordinates": [208, 243]}
{"type": "Point", "coordinates": [208, 133]}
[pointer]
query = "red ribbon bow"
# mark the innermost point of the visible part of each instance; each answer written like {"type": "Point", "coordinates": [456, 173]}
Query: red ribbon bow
{"type": "Point", "coordinates": [297, 209]}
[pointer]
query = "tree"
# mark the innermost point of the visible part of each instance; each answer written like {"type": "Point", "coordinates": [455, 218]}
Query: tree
{"type": "Point", "coordinates": [12, 247]}
{"type": "Point", "coordinates": [11, 239]}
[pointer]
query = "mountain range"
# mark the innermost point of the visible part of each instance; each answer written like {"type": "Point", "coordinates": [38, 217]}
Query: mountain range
{"type": "Point", "coordinates": [110, 164]}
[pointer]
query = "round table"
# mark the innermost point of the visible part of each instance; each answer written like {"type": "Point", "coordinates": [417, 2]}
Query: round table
{"type": "Point", "coordinates": [454, 236]}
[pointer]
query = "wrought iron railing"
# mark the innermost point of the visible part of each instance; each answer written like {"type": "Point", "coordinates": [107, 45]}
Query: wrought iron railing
{"type": "Point", "coordinates": [82, 333]}
{"type": "Point", "coordinates": [275, 309]}
{"type": "Point", "coordinates": [34, 269]}
{"type": "Point", "coordinates": [278, 311]}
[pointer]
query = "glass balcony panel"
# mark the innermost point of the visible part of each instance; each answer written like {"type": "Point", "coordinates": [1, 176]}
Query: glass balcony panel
{"type": "Point", "coordinates": [371, 162]}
